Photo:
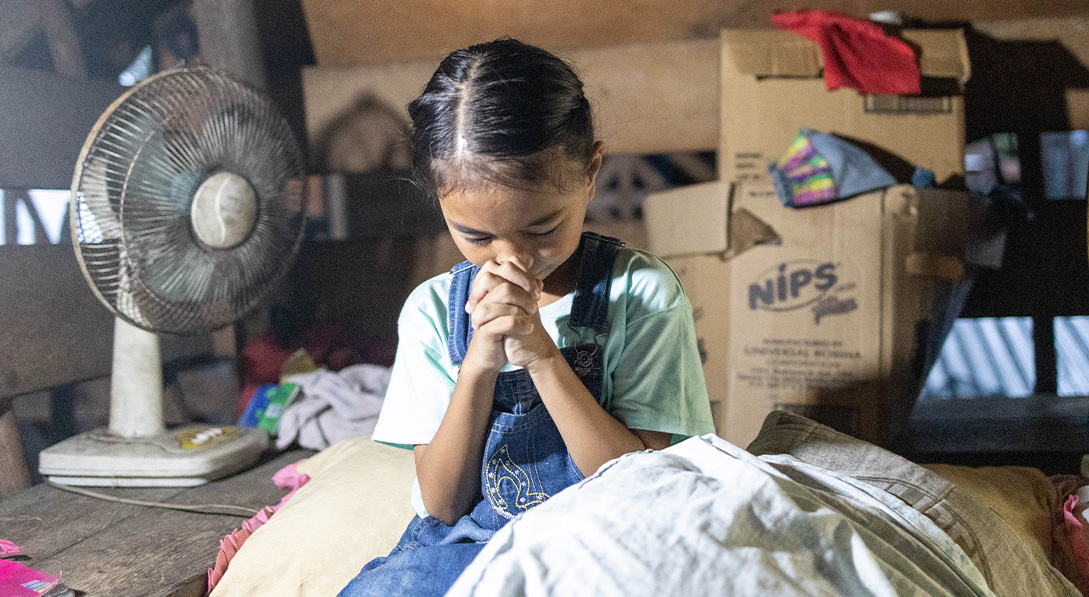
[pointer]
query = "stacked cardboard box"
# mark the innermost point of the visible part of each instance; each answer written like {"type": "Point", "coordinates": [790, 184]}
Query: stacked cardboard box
{"type": "Point", "coordinates": [820, 310]}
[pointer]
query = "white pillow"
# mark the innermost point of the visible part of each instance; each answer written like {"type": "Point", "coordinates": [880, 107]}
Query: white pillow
{"type": "Point", "coordinates": [353, 509]}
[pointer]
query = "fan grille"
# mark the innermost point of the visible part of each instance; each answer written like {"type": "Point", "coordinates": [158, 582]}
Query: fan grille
{"type": "Point", "coordinates": [134, 187]}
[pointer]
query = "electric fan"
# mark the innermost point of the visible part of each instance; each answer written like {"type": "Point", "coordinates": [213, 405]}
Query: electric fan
{"type": "Point", "coordinates": [187, 207]}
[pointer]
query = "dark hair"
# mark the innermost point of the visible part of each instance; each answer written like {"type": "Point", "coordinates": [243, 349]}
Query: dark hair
{"type": "Point", "coordinates": [501, 112]}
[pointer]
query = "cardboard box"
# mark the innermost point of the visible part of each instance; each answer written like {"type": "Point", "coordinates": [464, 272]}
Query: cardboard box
{"type": "Point", "coordinates": [829, 318]}
{"type": "Point", "coordinates": [772, 86]}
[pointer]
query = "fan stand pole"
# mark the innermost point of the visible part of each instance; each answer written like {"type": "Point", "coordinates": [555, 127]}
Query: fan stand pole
{"type": "Point", "coordinates": [136, 389]}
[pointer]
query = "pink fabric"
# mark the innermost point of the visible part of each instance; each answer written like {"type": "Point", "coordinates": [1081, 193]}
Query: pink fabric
{"type": "Point", "coordinates": [288, 477]}
{"type": "Point", "coordinates": [1078, 544]}
{"type": "Point", "coordinates": [7, 548]}
{"type": "Point", "coordinates": [857, 54]}
{"type": "Point", "coordinates": [17, 580]}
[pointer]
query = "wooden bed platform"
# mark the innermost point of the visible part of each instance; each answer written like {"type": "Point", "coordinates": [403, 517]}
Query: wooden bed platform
{"type": "Point", "coordinates": [105, 548]}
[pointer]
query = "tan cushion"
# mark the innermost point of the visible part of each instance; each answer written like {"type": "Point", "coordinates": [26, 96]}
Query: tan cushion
{"type": "Point", "coordinates": [1013, 562]}
{"type": "Point", "coordinates": [354, 509]}
{"type": "Point", "coordinates": [1021, 496]}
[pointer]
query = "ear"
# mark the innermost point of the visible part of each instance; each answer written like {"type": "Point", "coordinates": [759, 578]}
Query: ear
{"type": "Point", "coordinates": [593, 169]}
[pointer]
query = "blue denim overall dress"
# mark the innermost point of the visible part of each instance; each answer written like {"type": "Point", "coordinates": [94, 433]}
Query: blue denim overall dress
{"type": "Point", "coordinates": [525, 459]}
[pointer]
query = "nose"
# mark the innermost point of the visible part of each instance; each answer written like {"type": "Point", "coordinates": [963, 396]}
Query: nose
{"type": "Point", "coordinates": [512, 251]}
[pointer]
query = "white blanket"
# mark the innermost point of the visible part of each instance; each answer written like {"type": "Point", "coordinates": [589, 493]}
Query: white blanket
{"type": "Point", "coordinates": [707, 518]}
{"type": "Point", "coordinates": [333, 406]}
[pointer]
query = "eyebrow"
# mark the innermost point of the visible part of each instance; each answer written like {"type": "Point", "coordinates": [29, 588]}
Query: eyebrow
{"type": "Point", "coordinates": [538, 222]}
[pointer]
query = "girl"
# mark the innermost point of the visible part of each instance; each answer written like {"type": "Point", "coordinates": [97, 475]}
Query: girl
{"type": "Point", "coordinates": [546, 354]}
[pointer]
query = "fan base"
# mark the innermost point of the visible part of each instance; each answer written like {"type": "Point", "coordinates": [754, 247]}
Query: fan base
{"type": "Point", "coordinates": [183, 457]}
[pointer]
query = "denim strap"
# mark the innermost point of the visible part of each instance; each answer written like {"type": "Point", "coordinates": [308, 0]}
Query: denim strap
{"type": "Point", "coordinates": [460, 327]}
{"type": "Point", "coordinates": [590, 307]}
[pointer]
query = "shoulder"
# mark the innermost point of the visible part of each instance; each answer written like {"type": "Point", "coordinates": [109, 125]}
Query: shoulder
{"type": "Point", "coordinates": [645, 283]}
{"type": "Point", "coordinates": [425, 309]}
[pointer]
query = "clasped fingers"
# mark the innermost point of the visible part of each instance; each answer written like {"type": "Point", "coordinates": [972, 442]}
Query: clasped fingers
{"type": "Point", "coordinates": [501, 319]}
{"type": "Point", "coordinates": [505, 293]}
{"type": "Point", "coordinates": [494, 275]}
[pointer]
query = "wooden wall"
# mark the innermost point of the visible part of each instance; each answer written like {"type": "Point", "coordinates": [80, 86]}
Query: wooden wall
{"type": "Point", "coordinates": [630, 88]}
{"type": "Point", "coordinates": [657, 96]}
{"type": "Point", "coordinates": [384, 31]}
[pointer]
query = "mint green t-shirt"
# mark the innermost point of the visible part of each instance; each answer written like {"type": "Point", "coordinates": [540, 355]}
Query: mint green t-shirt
{"type": "Point", "coordinates": [653, 376]}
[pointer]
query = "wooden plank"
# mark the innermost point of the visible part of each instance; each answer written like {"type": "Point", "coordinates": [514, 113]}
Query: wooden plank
{"type": "Point", "coordinates": [1072, 32]}
{"type": "Point", "coordinates": [55, 330]}
{"type": "Point", "coordinates": [647, 98]}
{"type": "Point", "coordinates": [383, 31]}
{"type": "Point", "coordinates": [150, 551]}
{"type": "Point", "coordinates": [44, 521]}
{"type": "Point", "coordinates": [44, 119]}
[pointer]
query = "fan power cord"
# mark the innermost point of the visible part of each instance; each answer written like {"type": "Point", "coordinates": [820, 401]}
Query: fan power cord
{"type": "Point", "coordinates": [199, 508]}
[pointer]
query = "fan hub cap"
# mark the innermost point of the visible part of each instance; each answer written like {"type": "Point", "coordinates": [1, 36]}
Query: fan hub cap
{"type": "Point", "coordinates": [224, 210]}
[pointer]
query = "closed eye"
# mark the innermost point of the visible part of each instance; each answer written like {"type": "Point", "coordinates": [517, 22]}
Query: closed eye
{"type": "Point", "coordinates": [480, 240]}
{"type": "Point", "coordinates": [544, 233]}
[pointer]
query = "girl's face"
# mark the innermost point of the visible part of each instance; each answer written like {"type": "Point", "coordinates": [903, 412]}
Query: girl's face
{"type": "Point", "coordinates": [541, 228]}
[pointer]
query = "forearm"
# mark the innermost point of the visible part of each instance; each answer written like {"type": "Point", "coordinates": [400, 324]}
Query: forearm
{"type": "Point", "coordinates": [448, 468]}
{"type": "Point", "coordinates": [593, 436]}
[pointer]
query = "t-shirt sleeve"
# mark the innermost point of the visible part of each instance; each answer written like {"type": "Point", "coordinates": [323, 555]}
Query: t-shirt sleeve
{"type": "Point", "coordinates": [658, 381]}
{"type": "Point", "coordinates": [420, 384]}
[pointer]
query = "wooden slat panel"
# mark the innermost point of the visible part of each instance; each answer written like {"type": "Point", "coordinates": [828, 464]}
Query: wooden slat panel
{"type": "Point", "coordinates": [44, 119]}
{"type": "Point", "coordinates": [647, 98]}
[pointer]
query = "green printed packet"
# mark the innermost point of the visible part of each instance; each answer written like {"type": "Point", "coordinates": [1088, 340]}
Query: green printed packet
{"type": "Point", "coordinates": [279, 398]}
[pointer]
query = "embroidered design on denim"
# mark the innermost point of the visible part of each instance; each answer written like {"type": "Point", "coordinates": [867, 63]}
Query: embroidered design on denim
{"type": "Point", "coordinates": [583, 360]}
{"type": "Point", "coordinates": [502, 469]}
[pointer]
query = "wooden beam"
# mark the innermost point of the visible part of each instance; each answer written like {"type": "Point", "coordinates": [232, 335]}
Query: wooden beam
{"type": "Point", "coordinates": [63, 42]}
{"type": "Point", "coordinates": [1039, 423]}
{"type": "Point", "coordinates": [647, 98]}
{"type": "Point", "coordinates": [229, 39]}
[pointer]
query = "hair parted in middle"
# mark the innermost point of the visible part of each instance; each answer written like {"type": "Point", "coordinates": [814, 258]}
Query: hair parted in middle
{"type": "Point", "coordinates": [501, 112]}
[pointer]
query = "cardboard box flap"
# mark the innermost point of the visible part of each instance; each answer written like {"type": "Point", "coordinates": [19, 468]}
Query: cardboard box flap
{"type": "Point", "coordinates": [942, 53]}
{"type": "Point", "coordinates": [688, 221]}
{"type": "Point", "coordinates": [771, 53]}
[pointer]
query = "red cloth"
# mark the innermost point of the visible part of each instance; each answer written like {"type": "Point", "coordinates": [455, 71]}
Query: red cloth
{"type": "Point", "coordinates": [857, 54]}
{"type": "Point", "coordinates": [262, 359]}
